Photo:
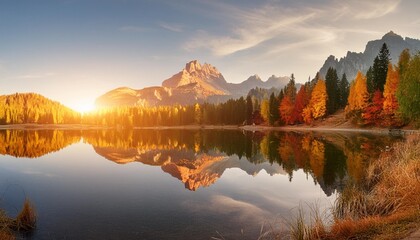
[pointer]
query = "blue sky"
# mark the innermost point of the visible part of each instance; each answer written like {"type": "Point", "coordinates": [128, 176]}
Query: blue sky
{"type": "Point", "coordinates": [75, 50]}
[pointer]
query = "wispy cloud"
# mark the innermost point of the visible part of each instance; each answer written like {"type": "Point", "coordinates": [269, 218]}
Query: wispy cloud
{"type": "Point", "coordinates": [290, 27]}
{"type": "Point", "coordinates": [132, 29]}
{"type": "Point", "coordinates": [171, 27]}
{"type": "Point", "coordinates": [36, 76]}
{"type": "Point", "coordinates": [374, 9]}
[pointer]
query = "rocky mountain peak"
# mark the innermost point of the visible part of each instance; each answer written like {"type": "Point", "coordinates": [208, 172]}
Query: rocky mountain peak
{"type": "Point", "coordinates": [254, 78]}
{"type": "Point", "coordinates": [193, 66]}
{"type": "Point", "coordinates": [206, 79]}
{"type": "Point", "coordinates": [391, 34]}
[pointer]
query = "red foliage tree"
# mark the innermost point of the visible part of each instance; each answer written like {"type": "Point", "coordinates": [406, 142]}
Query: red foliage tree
{"type": "Point", "coordinates": [286, 110]}
{"type": "Point", "coordinates": [301, 101]}
{"type": "Point", "coordinates": [373, 113]}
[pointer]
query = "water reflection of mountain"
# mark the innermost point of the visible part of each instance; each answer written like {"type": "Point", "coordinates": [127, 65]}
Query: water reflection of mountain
{"type": "Point", "coordinates": [199, 157]}
{"type": "Point", "coordinates": [192, 168]}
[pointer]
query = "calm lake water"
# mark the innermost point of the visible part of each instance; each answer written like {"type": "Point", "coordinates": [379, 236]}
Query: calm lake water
{"type": "Point", "coordinates": [174, 184]}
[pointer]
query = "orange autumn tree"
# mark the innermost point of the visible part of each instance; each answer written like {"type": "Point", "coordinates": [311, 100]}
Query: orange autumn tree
{"type": "Point", "coordinates": [318, 103]}
{"type": "Point", "coordinates": [358, 97]}
{"type": "Point", "coordinates": [390, 104]}
{"type": "Point", "coordinates": [286, 110]}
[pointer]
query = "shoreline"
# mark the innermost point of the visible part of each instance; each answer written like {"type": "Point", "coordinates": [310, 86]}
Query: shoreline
{"type": "Point", "coordinates": [261, 128]}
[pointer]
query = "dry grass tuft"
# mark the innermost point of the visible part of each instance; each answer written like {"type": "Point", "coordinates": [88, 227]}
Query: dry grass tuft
{"type": "Point", "coordinates": [26, 219]}
{"type": "Point", "coordinates": [299, 229]}
{"type": "Point", "coordinates": [5, 223]}
{"type": "Point", "coordinates": [388, 198]}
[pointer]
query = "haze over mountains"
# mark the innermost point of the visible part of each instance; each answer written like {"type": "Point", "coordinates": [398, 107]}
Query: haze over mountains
{"type": "Point", "coordinates": [354, 62]}
{"type": "Point", "coordinates": [195, 83]}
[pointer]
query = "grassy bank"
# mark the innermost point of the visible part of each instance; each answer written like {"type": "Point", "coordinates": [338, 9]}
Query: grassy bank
{"type": "Point", "coordinates": [25, 221]}
{"type": "Point", "coordinates": [386, 205]}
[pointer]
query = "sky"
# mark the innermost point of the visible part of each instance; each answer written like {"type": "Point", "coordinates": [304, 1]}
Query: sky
{"type": "Point", "coordinates": [73, 51]}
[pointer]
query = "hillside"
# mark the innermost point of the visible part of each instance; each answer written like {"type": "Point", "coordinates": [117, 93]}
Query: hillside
{"type": "Point", "coordinates": [34, 108]}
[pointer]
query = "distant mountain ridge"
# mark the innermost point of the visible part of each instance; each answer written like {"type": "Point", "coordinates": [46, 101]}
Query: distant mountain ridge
{"type": "Point", "coordinates": [195, 83]}
{"type": "Point", "coordinates": [354, 62]}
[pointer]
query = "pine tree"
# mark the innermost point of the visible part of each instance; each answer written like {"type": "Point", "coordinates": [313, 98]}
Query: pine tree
{"type": "Point", "coordinates": [249, 109]}
{"type": "Point", "coordinates": [343, 91]}
{"type": "Point", "coordinates": [290, 89]}
{"type": "Point", "coordinates": [380, 69]}
{"type": "Point", "coordinates": [331, 82]}
{"type": "Point", "coordinates": [274, 112]}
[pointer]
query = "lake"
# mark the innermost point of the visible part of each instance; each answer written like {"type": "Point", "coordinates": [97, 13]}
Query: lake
{"type": "Point", "coordinates": [175, 184]}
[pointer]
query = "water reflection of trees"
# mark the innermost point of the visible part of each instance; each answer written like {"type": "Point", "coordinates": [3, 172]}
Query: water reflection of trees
{"type": "Point", "coordinates": [35, 143]}
{"type": "Point", "coordinates": [330, 159]}
{"type": "Point", "coordinates": [199, 157]}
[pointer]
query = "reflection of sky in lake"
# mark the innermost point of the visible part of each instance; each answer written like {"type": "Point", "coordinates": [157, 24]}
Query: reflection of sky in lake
{"type": "Point", "coordinates": [78, 194]}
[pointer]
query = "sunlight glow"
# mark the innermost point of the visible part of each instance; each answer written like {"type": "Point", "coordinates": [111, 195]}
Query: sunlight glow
{"type": "Point", "coordinates": [84, 107]}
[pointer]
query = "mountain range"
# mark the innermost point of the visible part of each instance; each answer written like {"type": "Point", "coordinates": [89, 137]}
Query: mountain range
{"type": "Point", "coordinates": [195, 83]}
{"type": "Point", "coordinates": [354, 62]}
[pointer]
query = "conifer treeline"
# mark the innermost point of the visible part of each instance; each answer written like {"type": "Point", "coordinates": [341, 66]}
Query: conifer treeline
{"type": "Point", "coordinates": [33, 108]}
{"type": "Point", "coordinates": [233, 112]}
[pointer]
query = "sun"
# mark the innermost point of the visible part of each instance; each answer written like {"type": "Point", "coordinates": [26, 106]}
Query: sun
{"type": "Point", "coordinates": [84, 107]}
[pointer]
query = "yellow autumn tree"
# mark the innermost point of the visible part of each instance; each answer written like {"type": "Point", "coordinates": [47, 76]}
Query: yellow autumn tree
{"type": "Point", "coordinates": [265, 110]}
{"type": "Point", "coordinates": [390, 105]}
{"type": "Point", "coordinates": [358, 95]}
{"type": "Point", "coordinates": [307, 115]}
{"type": "Point", "coordinates": [318, 102]}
